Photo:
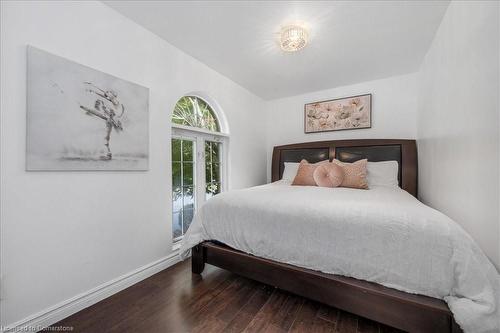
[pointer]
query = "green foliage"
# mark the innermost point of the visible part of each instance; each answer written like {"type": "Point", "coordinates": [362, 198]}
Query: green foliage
{"type": "Point", "coordinates": [212, 189]}
{"type": "Point", "coordinates": [212, 169]}
{"type": "Point", "coordinates": [187, 150]}
{"type": "Point", "coordinates": [182, 168]}
{"type": "Point", "coordinates": [195, 112]}
{"type": "Point", "coordinates": [176, 150]}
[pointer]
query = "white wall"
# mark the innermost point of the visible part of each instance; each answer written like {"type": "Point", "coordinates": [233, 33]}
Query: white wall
{"type": "Point", "coordinates": [64, 233]}
{"type": "Point", "coordinates": [458, 122]}
{"type": "Point", "coordinates": [394, 104]}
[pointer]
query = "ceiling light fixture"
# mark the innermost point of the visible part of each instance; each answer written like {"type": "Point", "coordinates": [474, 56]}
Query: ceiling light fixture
{"type": "Point", "coordinates": [293, 38]}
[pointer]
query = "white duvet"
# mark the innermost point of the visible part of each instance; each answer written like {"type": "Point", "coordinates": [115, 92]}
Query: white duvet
{"type": "Point", "coordinates": [383, 235]}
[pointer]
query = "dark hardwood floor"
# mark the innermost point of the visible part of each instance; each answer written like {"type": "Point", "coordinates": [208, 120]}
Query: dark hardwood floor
{"type": "Point", "coordinates": [175, 300]}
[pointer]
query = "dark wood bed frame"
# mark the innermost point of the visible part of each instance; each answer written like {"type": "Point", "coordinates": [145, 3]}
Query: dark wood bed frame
{"type": "Point", "coordinates": [408, 312]}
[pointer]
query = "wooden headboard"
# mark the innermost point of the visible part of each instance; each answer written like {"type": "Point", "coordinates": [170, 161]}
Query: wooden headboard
{"type": "Point", "coordinates": [375, 150]}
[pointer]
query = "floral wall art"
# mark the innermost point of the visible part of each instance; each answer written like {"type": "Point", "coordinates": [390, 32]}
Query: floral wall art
{"type": "Point", "coordinates": [338, 114]}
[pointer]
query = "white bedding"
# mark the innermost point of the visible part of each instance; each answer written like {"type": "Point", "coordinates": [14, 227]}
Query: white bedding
{"type": "Point", "coordinates": [382, 235]}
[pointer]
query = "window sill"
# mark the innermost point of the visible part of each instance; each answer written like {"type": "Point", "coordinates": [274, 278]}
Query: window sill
{"type": "Point", "coordinates": [177, 245]}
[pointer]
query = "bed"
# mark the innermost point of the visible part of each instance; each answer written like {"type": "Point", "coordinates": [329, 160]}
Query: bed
{"type": "Point", "coordinates": [362, 251]}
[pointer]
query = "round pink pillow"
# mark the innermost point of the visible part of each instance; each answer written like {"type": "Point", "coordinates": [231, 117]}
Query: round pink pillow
{"type": "Point", "coordinates": [328, 175]}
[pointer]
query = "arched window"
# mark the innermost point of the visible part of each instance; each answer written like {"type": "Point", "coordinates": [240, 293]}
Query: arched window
{"type": "Point", "coordinates": [198, 159]}
{"type": "Point", "coordinates": [195, 112]}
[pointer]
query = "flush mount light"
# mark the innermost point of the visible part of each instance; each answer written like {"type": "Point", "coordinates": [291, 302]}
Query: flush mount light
{"type": "Point", "coordinates": [293, 38]}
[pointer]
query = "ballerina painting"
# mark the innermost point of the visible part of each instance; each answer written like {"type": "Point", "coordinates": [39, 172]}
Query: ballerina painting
{"type": "Point", "coordinates": [108, 113]}
{"type": "Point", "coordinates": [83, 119]}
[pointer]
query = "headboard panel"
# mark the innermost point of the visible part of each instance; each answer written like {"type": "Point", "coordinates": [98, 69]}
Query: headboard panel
{"type": "Point", "coordinates": [312, 155]}
{"type": "Point", "coordinates": [403, 151]}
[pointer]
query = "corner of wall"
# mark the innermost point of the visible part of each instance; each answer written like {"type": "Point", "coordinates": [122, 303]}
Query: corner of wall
{"type": "Point", "coordinates": [448, 150]}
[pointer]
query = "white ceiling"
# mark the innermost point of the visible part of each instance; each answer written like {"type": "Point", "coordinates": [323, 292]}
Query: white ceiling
{"type": "Point", "coordinates": [351, 41]}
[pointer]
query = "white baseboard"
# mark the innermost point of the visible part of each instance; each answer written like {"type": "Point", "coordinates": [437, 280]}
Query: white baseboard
{"type": "Point", "coordinates": [79, 302]}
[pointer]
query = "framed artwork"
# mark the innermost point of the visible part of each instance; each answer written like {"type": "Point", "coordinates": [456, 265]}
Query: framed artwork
{"type": "Point", "coordinates": [79, 118]}
{"type": "Point", "coordinates": [338, 114]}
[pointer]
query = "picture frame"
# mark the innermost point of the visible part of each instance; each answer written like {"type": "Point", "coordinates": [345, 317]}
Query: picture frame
{"type": "Point", "coordinates": [346, 113]}
{"type": "Point", "coordinates": [83, 119]}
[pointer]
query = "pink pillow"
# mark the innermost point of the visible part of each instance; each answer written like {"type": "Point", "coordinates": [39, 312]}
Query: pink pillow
{"type": "Point", "coordinates": [354, 174]}
{"type": "Point", "coordinates": [305, 173]}
{"type": "Point", "coordinates": [328, 175]}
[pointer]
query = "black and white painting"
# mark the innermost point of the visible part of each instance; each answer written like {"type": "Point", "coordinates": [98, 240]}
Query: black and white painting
{"type": "Point", "coordinates": [83, 119]}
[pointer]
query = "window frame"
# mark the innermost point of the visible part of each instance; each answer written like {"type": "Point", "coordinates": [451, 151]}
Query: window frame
{"type": "Point", "coordinates": [195, 180]}
{"type": "Point", "coordinates": [220, 121]}
{"type": "Point", "coordinates": [220, 162]}
{"type": "Point", "coordinates": [200, 136]}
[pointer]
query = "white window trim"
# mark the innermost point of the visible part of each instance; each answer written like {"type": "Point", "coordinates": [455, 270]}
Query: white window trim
{"type": "Point", "coordinates": [198, 130]}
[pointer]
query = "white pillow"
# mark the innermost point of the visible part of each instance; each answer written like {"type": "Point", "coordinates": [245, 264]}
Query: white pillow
{"type": "Point", "coordinates": [382, 174]}
{"type": "Point", "coordinates": [290, 171]}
